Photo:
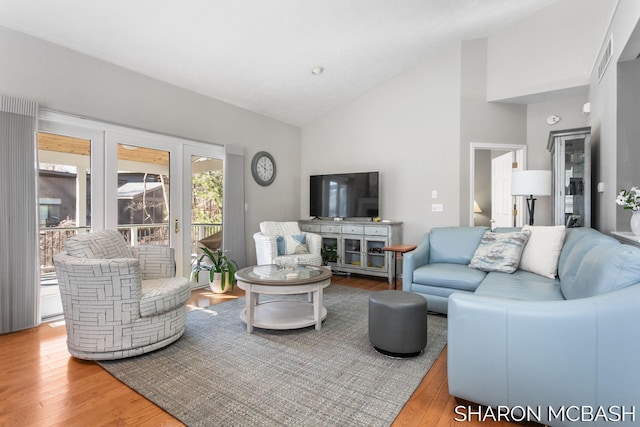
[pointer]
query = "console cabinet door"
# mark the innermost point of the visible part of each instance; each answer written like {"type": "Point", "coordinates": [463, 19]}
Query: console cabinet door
{"type": "Point", "coordinates": [352, 251]}
{"type": "Point", "coordinates": [375, 257]}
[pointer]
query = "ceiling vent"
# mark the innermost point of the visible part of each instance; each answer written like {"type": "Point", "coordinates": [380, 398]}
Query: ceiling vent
{"type": "Point", "coordinates": [606, 58]}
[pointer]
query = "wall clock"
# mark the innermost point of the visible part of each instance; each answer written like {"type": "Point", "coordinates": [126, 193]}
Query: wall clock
{"type": "Point", "coordinates": [263, 168]}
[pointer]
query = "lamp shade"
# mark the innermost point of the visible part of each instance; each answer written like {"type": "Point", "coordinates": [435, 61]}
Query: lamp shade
{"type": "Point", "coordinates": [531, 183]}
{"type": "Point", "coordinates": [476, 207]}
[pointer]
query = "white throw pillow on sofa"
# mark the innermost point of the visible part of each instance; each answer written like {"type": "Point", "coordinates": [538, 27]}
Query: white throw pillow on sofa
{"type": "Point", "coordinates": [542, 251]}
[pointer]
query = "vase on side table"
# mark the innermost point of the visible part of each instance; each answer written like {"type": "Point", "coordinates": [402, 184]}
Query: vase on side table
{"type": "Point", "coordinates": [635, 223]}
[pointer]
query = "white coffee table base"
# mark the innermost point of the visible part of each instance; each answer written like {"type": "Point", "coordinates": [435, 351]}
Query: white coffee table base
{"type": "Point", "coordinates": [285, 315]}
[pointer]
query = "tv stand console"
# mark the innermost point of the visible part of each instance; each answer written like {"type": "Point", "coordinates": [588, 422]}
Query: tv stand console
{"type": "Point", "coordinates": [359, 244]}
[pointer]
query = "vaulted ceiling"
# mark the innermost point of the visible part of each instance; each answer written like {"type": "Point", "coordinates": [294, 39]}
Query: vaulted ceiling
{"type": "Point", "coordinates": [259, 54]}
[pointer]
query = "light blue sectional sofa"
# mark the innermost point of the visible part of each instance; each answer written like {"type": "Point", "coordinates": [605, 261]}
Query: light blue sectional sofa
{"type": "Point", "coordinates": [566, 349]}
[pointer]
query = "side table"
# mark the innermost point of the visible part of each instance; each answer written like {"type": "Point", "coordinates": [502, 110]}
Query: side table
{"type": "Point", "coordinates": [397, 250]}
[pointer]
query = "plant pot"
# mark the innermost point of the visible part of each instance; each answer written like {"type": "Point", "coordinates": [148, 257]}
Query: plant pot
{"type": "Point", "coordinates": [216, 284]}
{"type": "Point", "coordinates": [635, 223]}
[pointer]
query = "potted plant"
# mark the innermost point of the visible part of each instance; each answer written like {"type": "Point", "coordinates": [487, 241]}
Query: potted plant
{"type": "Point", "coordinates": [221, 269]}
{"type": "Point", "coordinates": [329, 254]}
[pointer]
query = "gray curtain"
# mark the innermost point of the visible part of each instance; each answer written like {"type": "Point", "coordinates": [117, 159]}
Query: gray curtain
{"type": "Point", "coordinates": [233, 238]}
{"type": "Point", "coordinates": [19, 254]}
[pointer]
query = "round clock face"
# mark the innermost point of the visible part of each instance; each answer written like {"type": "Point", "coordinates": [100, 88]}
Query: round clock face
{"type": "Point", "coordinates": [263, 168]}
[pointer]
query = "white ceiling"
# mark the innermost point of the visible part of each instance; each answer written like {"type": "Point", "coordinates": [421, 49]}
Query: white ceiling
{"type": "Point", "coordinates": [258, 54]}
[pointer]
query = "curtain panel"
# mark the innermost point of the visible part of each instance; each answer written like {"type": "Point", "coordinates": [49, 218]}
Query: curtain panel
{"type": "Point", "coordinates": [19, 254]}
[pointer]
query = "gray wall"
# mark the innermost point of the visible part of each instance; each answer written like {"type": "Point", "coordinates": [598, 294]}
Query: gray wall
{"type": "Point", "coordinates": [569, 109]}
{"type": "Point", "coordinates": [628, 153]}
{"type": "Point", "coordinates": [603, 119]}
{"type": "Point", "coordinates": [70, 82]}
{"type": "Point", "coordinates": [482, 121]}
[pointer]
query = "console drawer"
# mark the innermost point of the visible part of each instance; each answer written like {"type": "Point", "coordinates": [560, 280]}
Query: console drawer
{"type": "Point", "coordinates": [331, 229]}
{"type": "Point", "coordinates": [352, 229]}
{"type": "Point", "coordinates": [311, 228]}
{"type": "Point", "coordinates": [375, 231]}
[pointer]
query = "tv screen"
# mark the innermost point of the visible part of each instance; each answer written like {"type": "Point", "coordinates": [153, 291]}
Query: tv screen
{"type": "Point", "coordinates": [345, 195]}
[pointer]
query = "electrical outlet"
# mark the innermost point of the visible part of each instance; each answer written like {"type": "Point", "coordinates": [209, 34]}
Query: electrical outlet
{"type": "Point", "coordinates": [434, 194]}
{"type": "Point", "coordinates": [437, 207]}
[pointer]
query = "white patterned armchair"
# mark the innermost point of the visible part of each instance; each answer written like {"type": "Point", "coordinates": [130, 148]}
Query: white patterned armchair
{"type": "Point", "coordinates": [119, 301]}
{"type": "Point", "coordinates": [278, 241]}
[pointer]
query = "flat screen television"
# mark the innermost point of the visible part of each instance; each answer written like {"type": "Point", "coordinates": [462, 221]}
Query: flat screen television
{"type": "Point", "coordinates": [344, 195]}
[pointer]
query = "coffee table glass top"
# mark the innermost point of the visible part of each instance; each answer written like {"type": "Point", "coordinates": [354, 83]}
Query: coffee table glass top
{"type": "Point", "coordinates": [276, 275]}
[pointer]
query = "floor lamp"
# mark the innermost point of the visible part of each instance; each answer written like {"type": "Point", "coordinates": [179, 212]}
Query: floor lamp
{"type": "Point", "coordinates": [531, 183]}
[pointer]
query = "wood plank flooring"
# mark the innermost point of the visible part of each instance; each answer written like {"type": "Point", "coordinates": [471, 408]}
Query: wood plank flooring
{"type": "Point", "coordinates": [42, 385]}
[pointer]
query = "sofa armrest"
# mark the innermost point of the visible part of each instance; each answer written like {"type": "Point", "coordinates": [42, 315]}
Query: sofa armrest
{"type": "Point", "coordinates": [580, 352]}
{"type": "Point", "coordinates": [107, 291]}
{"type": "Point", "coordinates": [266, 248]}
{"type": "Point", "coordinates": [314, 243]}
{"type": "Point", "coordinates": [414, 259]}
{"type": "Point", "coordinates": [156, 262]}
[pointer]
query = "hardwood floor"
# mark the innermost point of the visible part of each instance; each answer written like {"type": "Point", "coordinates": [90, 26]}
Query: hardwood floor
{"type": "Point", "coordinates": [42, 385]}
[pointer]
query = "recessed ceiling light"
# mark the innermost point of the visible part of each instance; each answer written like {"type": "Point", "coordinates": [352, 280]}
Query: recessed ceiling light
{"type": "Point", "coordinates": [316, 71]}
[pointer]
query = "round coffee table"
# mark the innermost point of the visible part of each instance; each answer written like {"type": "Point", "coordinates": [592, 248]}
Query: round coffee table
{"type": "Point", "coordinates": [275, 280]}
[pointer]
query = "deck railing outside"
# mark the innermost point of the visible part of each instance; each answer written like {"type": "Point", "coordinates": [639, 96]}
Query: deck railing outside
{"type": "Point", "coordinates": [52, 238]}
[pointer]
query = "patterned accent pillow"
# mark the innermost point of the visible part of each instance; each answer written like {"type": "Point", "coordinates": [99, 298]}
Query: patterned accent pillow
{"type": "Point", "coordinates": [292, 244]}
{"type": "Point", "coordinates": [500, 251]}
{"type": "Point", "coordinates": [103, 244]}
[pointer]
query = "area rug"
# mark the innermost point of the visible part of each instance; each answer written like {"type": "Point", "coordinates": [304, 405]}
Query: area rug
{"type": "Point", "coordinates": [219, 375]}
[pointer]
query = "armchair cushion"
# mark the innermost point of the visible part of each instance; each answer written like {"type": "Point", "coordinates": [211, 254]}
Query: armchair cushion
{"type": "Point", "coordinates": [103, 244]}
{"type": "Point", "coordinates": [454, 276]}
{"type": "Point", "coordinates": [268, 249]}
{"type": "Point", "coordinates": [163, 295]}
{"type": "Point", "coordinates": [292, 244]}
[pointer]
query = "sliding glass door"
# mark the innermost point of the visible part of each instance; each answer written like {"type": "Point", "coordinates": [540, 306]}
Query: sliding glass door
{"type": "Point", "coordinates": [164, 191]}
{"type": "Point", "coordinates": [155, 189]}
{"type": "Point", "coordinates": [202, 204]}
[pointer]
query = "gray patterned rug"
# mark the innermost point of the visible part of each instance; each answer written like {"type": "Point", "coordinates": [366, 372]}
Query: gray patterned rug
{"type": "Point", "coordinates": [218, 375]}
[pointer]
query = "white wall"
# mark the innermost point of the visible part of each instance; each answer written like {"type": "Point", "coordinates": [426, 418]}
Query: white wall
{"type": "Point", "coordinates": [409, 130]}
{"type": "Point", "coordinates": [554, 49]}
{"type": "Point", "coordinates": [70, 82]}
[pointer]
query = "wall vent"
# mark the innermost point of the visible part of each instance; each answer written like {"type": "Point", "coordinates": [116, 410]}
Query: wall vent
{"type": "Point", "coordinates": [606, 58]}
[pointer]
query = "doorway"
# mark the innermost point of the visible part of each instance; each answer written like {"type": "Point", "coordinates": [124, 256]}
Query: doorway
{"type": "Point", "coordinates": [491, 203]}
{"type": "Point", "coordinates": [136, 182]}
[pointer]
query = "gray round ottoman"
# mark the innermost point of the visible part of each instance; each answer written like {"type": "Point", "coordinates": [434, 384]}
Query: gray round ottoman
{"type": "Point", "coordinates": [398, 323]}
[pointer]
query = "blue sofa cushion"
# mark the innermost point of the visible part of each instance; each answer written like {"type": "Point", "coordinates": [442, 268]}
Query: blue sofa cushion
{"type": "Point", "coordinates": [605, 268]}
{"type": "Point", "coordinates": [499, 251]}
{"type": "Point", "coordinates": [454, 276]}
{"type": "Point", "coordinates": [578, 242]}
{"type": "Point", "coordinates": [521, 285]}
{"type": "Point", "coordinates": [455, 245]}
